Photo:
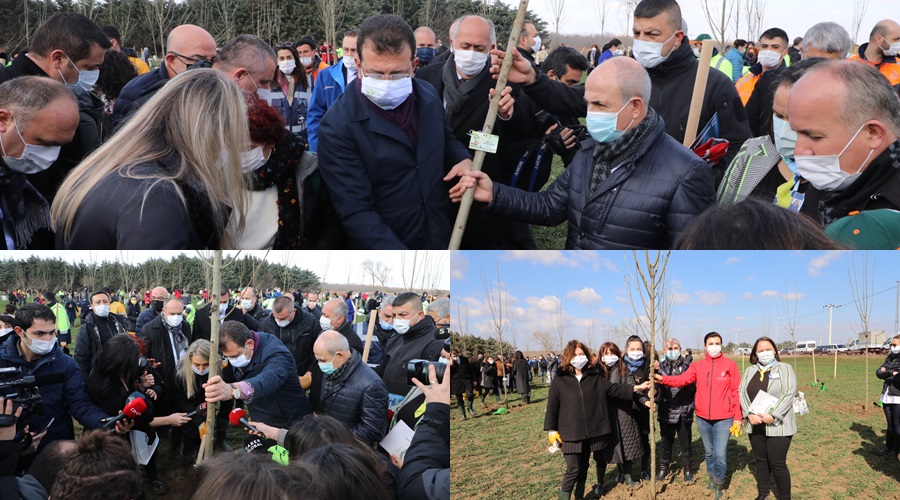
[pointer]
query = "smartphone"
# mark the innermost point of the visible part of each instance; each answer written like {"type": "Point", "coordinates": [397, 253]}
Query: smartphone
{"type": "Point", "coordinates": [44, 428]}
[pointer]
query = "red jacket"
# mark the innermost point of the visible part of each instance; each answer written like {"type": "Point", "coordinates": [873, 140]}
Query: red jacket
{"type": "Point", "coordinates": [718, 382]}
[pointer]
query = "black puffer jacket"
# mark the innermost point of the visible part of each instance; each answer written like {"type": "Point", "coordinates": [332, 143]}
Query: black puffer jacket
{"type": "Point", "coordinates": [675, 403]}
{"type": "Point", "coordinates": [298, 336]}
{"type": "Point", "coordinates": [359, 399]}
{"type": "Point", "coordinates": [644, 204]}
{"type": "Point", "coordinates": [886, 373]}
{"type": "Point", "coordinates": [579, 410]}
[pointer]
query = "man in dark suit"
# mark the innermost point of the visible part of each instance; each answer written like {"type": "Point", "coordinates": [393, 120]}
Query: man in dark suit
{"type": "Point", "coordinates": [385, 149]}
{"type": "Point", "coordinates": [227, 312]}
{"type": "Point", "coordinates": [465, 86]}
{"type": "Point", "coordinates": [167, 337]}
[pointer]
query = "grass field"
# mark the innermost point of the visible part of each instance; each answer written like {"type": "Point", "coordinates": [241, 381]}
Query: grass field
{"type": "Point", "coordinates": [834, 455]}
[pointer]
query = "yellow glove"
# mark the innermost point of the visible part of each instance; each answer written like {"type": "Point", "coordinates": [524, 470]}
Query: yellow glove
{"type": "Point", "coordinates": [735, 429]}
{"type": "Point", "coordinates": [554, 437]}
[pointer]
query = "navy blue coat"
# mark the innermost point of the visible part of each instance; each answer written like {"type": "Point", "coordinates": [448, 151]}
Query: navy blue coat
{"type": "Point", "coordinates": [278, 398]}
{"type": "Point", "coordinates": [132, 91]}
{"type": "Point", "coordinates": [389, 192]}
{"type": "Point", "coordinates": [61, 401]}
{"type": "Point", "coordinates": [644, 204]}
{"type": "Point", "coordinates": [359, 399]}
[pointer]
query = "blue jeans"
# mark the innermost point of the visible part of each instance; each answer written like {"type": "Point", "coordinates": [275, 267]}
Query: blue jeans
{"type": "Point", "coordinates": [714, 434]}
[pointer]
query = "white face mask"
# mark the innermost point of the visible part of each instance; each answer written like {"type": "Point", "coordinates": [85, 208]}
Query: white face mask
{"type": "Point", "coordinates": [282, 322]}
{"type": "Point", "coordinates": [246, 304]}
{"type": "Point", "coordinates": [824, 172]}
{"type": "Point", "coordinates": [714, 350]}
{"type": "Point", "coordinates": [200, 372]}
{"type": "Point", "coordinates": [769, 58]}
{"type": "Point", "coordinates": [33, 159]}
{"type": "Point", "coordinates": [536, 46]}
{"type": "Point", "coordinates": [325, 323]}
{"type": "Point", "coordinates": [287, 66]}
{"type": "Point", "coordinates": [252, 160]}
{"type": "Point", "coordinates": [40, 347]}
{"type": "Point", "coordinates": [696, 52]}
{"type": "Point", "coordinates": [618, 52]}
{"type": "Point", "coordinates": [765, 357]}
{"type": "Point", "coordinates": [5, 331]}
{"type": "Point", "coordinates": [610, 360]}
{"type": "Point", "coordinates": [306, 61]}
{"type": "Point", "coordinates": [892, 50]}
{"type": "Point", "coordinates": [387, 94]}
{"type": "Point", "coordinates": [349, 62]}
{"type": "Point", "coordinates": [174, 320]}
{"type": "Point", "coordinates": [102, 311]}
{"type": "Point", "coordinates": [223, 308]}
{"type": "Point", "coordinates": [649, 54]}
{"type": "Point", "coordinates": [636, 355]}
{"type": "Point", "coordinates": [895, 349]}
{"type": "Point", "coordinates": [579, 361]}
{"type": "Point", "coordinates": [240, 361]}
{"type": "Point", "coordinates": [401, 326]}
{"type": "Point", "coordinates": [469, 62]}
{"type": "Point", "coordinates": [785, 138]}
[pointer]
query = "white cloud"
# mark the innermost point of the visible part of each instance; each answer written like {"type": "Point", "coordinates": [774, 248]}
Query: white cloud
{"type": "Point", "coordinates": [682, 298]}
{"type": "Point", "coordinates": [748, 296]}
{"type": "Point", "coordinates": [547, 304]}
{"type": "Point", "coordinates": [817, 265]}
{"type": "Point", "coordinates": [542, 257]}
{"type": "Point", "coordinates": [459, 264]}
{"type": "Point", "coordinates": [710, 298]}
{"type": "Point", "coordinates": [794, 296]}
{"type": "Point", "coordinates": [585, 295]}
{"type": "Point", "coordinates": [768, 293]}
{"type": "Point", "coordinates": [740, 318]}
{"type": "Point", "coordinates": [732, 260]}
{"type": "Point", "coordinates": [607, 311]}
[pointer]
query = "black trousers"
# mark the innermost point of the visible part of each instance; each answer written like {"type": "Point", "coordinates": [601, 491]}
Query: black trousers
{"type": "Point", "coordinates": [488, 390]}
{"type": "Point", "coordinates": [668, 432]}
{"type": "Point", "coordinates": [771, 456]}
{"type": "Point", "coordinates": [577, 465]}
{"type": "Point", "coordinates": [892, 414]}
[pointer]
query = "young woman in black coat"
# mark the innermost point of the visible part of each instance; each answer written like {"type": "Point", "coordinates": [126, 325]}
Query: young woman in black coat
{"type": "Point", "coordinates": [578, 416]}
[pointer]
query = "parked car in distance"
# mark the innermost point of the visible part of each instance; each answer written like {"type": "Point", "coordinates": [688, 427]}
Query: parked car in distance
{"type": "Point", "coordinates": [805, 346]}
{"type": "Point", "coordinates": [822, 349]}
{"type": "Point", "coordinates": [742, 351]}
{"type": "Point", "coordinates": [836, 347]}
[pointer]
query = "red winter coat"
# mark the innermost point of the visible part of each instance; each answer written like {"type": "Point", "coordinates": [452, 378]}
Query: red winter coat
{"type": "Point", "coordinates": [718, 382]}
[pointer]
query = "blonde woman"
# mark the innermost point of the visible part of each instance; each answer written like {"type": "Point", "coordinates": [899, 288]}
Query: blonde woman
{"type": "Point", "coordinates": [169, 179]}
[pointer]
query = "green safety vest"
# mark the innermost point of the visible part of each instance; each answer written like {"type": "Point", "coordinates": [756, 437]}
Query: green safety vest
{"type": "Point", "coordinates": [62, 317]}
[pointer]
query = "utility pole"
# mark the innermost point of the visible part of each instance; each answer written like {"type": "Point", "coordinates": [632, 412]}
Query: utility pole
{"type": "Point", "coordinates": [830, 313]}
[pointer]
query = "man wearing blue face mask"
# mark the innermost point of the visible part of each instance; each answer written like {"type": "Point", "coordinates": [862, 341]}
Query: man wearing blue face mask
{"type": "Point", "coordinates": [37, 116]}
{"type": "Point", "coordinates": [675, 411]}
{"type": "Point", "coordinates": [68, 48]}
{"type": "Point", "coordinates": [847, 120]}
{"type": "Point", "coordinates": [629, 186]}
{"type": "Point", "coordinates": [385, 151]}
{"type": "Point", "coordinates": [425, 46]}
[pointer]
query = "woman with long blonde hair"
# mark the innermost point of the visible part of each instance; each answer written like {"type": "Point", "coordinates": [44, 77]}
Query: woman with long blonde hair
{"type": "Point", "coordinates": [170, 177]}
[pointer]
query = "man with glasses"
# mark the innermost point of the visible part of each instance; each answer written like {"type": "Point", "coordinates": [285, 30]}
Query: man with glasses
{"type": "Point", "coordinates": [330, 85]}
{"type": "Point", "coordinates": [186, 45]}
{"type": "Point", "coordinates": [385, 151]}
{"type": "Point", "coordinates": [34, 350]}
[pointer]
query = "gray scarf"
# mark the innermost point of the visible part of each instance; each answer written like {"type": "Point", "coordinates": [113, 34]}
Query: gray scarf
{"type": "Point", "coordinates": [456, 94]}
{"type": "Point", "coordinates": [181, 343]}
{"type": "Point", "coordinates": [612, 154]}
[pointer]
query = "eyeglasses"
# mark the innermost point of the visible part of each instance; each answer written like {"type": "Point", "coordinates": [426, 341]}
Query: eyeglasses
{"type": "Point", "coordinates": [191, 59]}
{"type": "Point", "coordinates": [395, 77]}
{"type": "Point", "coordinates": [284, 44]}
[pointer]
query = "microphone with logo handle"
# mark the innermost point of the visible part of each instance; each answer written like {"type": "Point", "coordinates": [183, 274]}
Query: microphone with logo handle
{"type": "Point", "coordinates": [238, 417]}
{"type": "Point", "coordinates": [135, 407]}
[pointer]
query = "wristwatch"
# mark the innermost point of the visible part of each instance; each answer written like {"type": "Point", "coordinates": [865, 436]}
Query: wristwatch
{"type": "Point", "coordinates": [235, 392]}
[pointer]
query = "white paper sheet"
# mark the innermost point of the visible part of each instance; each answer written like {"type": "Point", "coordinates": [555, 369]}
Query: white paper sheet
{"type": "Point", "coordinates": [763, 404]}
{"type": "Point", "coordinates": [397, 441]}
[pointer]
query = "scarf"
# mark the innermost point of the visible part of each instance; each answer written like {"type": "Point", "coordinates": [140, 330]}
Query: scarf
{"type": "Point", "coordinates": [765, 368]}
{"type": "Point", "coordinates": [612, 154]}
{"type": "Point", "coordinates": [280, 170]}
{"type": "Point", "coordinates": [25, 211]}
{"type": "Point", "coordinates": [866, 188]}
{"type": "Point", "coordinates": [455, 94]}
{"type": "Point", "coordinates": [181, 342]}
{"type": "Point", "coordinates": [337, 374]}
{"type": "Point", "coordinates": [632, 364]}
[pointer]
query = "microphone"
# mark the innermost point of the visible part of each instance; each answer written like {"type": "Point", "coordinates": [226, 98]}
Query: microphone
{"type": "Point", "coordinates": [135, 407]}
{"type": "Point", "coordinates": [200, 410]}
{"type": "Point", "coordinates": [238, 417]}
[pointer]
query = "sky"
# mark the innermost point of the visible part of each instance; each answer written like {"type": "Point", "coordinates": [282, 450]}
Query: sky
{"type": "Point", "coordinates": [334, 267]}
{"type": "Point", "coordinates": [793, 16]}
{"type": "Point", "coordinates": [741, 295]}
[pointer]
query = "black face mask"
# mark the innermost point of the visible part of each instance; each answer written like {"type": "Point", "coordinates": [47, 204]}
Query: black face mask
{"type": "Point", "coordinates": [157, 305]}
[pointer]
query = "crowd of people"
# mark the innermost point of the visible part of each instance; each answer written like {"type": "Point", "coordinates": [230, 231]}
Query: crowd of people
{"type": "Point", "coordinates": [317, 400]}
{"type": "Point", "coordinates": [261, 161]}
{"type": "Point", "coordinates": [598, 405]}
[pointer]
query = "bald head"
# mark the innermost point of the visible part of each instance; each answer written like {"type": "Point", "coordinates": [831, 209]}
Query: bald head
{"type": "Point", "coordinates": [186, 45]}
{"type": "Point", "coordinates": [884, 29]}
{"type": "Point", "coordinates": [330, 343]}
{"type": "Point", "coordinates": [425, 37]}
{"type": "Point", "coordinates": [474, 32]}
{"type": "Point", "coordinates": [159, 293]}
{"type": "Point", "coordinates": [625, 77]}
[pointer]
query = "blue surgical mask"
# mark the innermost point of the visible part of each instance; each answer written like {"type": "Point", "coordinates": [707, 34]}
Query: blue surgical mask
{"type": "Point", "coordinates": [385, 325]}
{"type": "Point", "coordinates": [328, 368]}
{"type": "Point", "coordinates": [425, 55]}
{"type": "Point", "coordinates": [673, 355]}
{"type": "Point", "coordinates": [86, 78]}
{"type": "Point", "coordinates": [785, 139]}
{"type": "Point", "coordinates": [602, 125]}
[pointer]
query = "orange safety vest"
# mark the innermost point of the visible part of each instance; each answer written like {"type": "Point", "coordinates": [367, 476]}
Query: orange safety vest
{"type": "Point", "coordinates": [890, 70]}
{"type": "Point", "coordinates": [745, 86]}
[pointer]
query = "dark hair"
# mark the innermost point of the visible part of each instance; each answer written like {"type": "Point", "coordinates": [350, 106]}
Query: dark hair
{"type": "Point", "coordinates": [519, 355]}
{"type": "Point", "coordinates": [407, 297]}
{"type": "Point", "coordinates": [711, 335]}
{"type": "Point", "coordinates": [613, 348]}
{"type": "Point", "coordinates": [315, 430]}
{"type": "Point", "coordinates": [351, 33]}
{"type": "Point", "coordinates": [112, 32]}
{"type": "Point", "coordinates": [342, 471]}
{"type": "Point", "coordinates": [71, 33]}
{"type": "Point", "coordinates": [50, 461]}
{"type": "Point", "coordinates": [299, 73]}
{"type": "Point", "coordinates": [615, 42]}
{"type": "Point", "coordinates": [247, 51]}
{"type": "Point", "coordinates": [740, 42]}
{"type": "Point", "coordinates": [249, 475]}
{"type": "Point", "coordinates": [26, 315]}
{"type": "Point", "coordinates": [775, 33]}
{"type": "Point", "coordinates": [387, 34]}
{"type": "Point", "coordinates": [754, 359]}
{"type": "Point", "coordinates": [282, 303]}
{"type": "Point", "coordinates": [223, 289]}
{"type": "Point", "coordinates": [9, 319]}
{"type": "Point", "coordinates": [9, 309]}
{"type": "Point", "coordinates": [119, 359]}
{"type": "Point", "coordinates": [99, 292]}
{"type": "Point", "coordinates": [234, 331]}
{"type": "Point", "coordinates": [569, 353]}
{"type": "Point", "coordinates": [652, 8]}
{"type": "Point", "coordinates": [307, 40]}
{"type": "Point", "coordinates": [634, 338]}
{"type": "Point", "coordinates": [797, 40]}
{"type": "Point", "coordinates": [563, 58]}
{"type": "Point", "coordinates": [115, 72]}
{"type": "Point", "coordinates": [100, 467]}
{"type": "Point", "coordinates": [793, 73]}
{"type": "Point", "coordinates": [753, 224]}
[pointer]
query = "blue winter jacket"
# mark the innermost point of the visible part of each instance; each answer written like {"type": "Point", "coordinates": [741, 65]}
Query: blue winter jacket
{"type": "Point", "coordinates": [328, 88]}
